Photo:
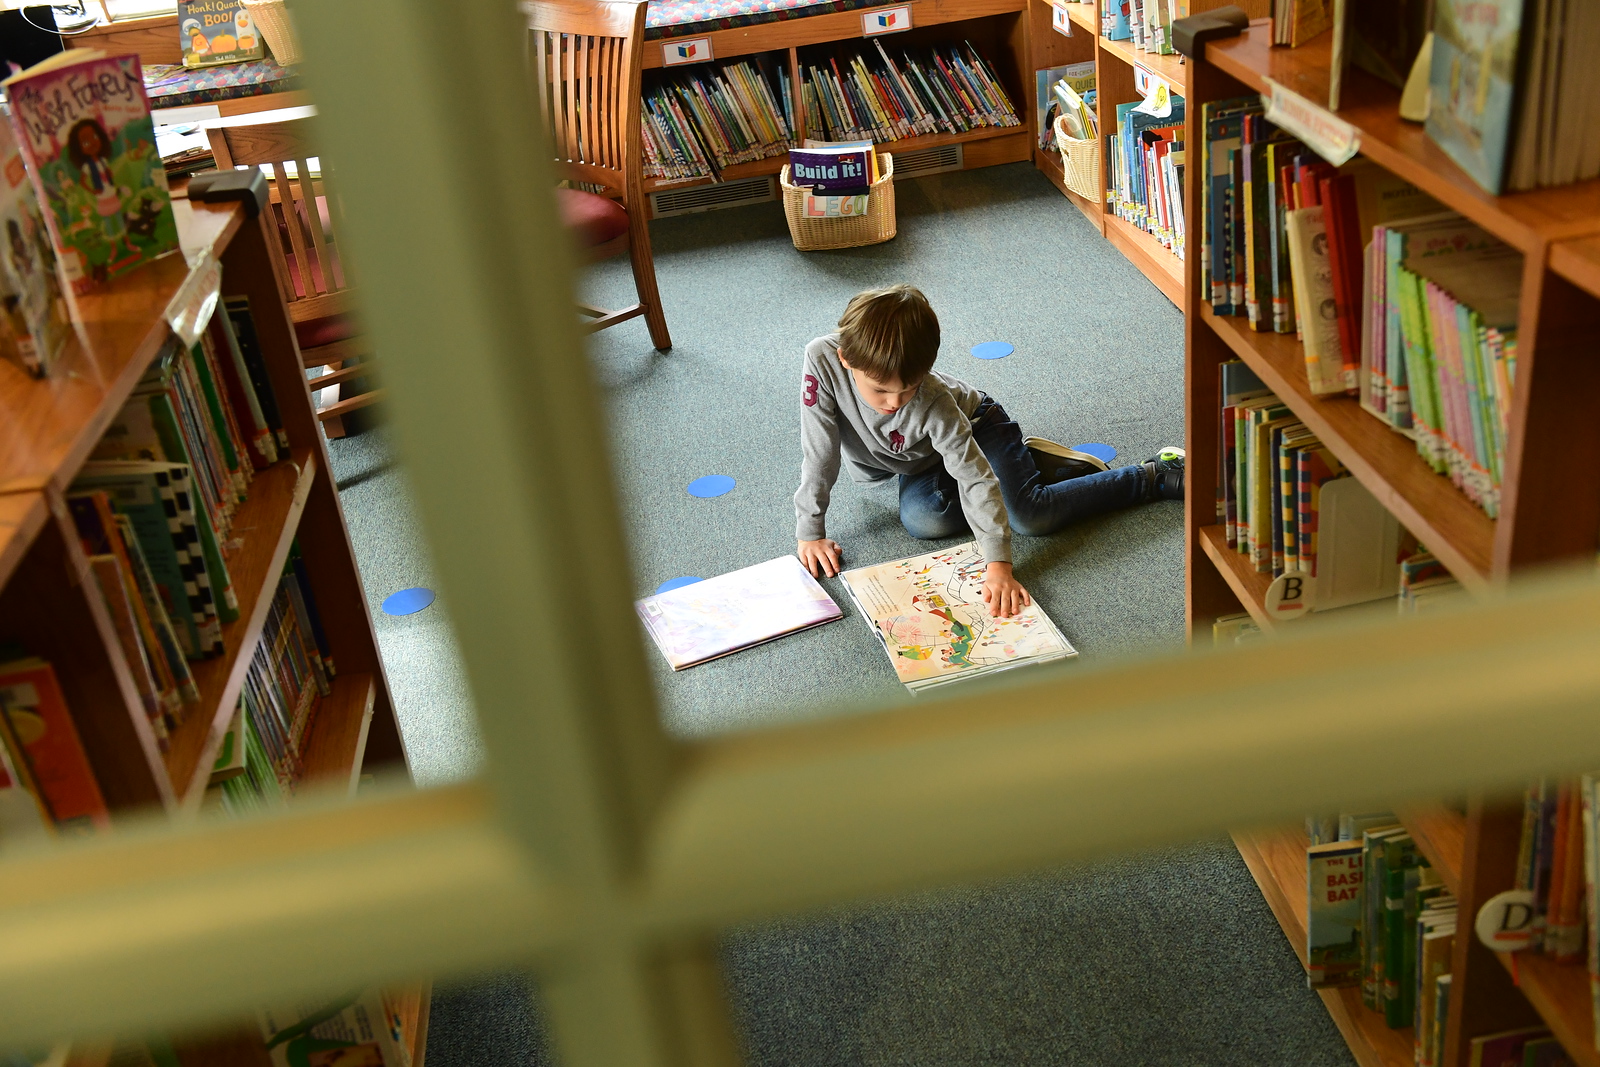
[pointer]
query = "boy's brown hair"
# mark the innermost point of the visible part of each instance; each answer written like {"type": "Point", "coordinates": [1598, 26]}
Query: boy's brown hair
{"type": "Point", "coordinates": [890, 334]}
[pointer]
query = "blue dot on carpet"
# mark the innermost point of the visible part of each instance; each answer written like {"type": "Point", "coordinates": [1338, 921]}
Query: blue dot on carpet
{"type": "Point", "coordinates": [993, 350]}
{"type": "Point", "coordinates": [674, 583]}
{"type": "Point", "coordinates": [711, 485]}
{"type": "Point", "coordinates": [407, 601]}
{"type": "Point", "coordinates": [1104, 453]}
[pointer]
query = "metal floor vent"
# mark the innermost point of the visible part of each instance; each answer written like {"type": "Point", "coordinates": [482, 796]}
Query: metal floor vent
{"type": "Point", "coordinates": [757, 190]}
{"type": "Point", "coordinates": [934, 160]}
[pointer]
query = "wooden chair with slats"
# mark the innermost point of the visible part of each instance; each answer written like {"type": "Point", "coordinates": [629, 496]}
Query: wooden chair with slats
{"type": "Point", "coordinates": [311, 273]}
{"type": "Point", "coordinates": [585, 56]}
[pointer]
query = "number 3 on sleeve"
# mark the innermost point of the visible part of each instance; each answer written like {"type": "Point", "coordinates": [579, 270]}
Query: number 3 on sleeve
{"type": "Point", "coordinates": [810, 393]}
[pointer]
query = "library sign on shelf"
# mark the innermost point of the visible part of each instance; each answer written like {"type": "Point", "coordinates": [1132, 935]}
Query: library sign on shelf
{"type": "Point", "coordinates": [1156, 93]}
{"type": "Point", "coordinates": [885, 20]}
{"type": "Point", "coordinates": [694, 50]}
{"type": "Point", "coordinates": [1330, 137]}
{"type": "Point", "coordinates": [1060, 20]}
{"type": "Point", "coordinates": [190, 307]}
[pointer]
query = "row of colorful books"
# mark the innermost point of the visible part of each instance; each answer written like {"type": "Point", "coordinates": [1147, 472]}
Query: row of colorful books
{"type": "Point", "coordinates": [1408, 306]}
{"type": "Point", "coordinates": [700, 120]}
{"type": "Point", "coordinates": [1558, 864]}
{"type": "Point", "coordinates": [1145, 160]}
{"type": "Point", "coordinates": [289, 674]}
{"type": "Point", "coordinates": [1067, 91]}
{"type": "Point", "coordinates": [1145, 23]}
{"type": "Point", "coordinates": [873, 95]}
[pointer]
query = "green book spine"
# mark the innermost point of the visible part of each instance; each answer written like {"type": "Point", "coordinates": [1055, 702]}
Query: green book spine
{"type": "Point", "coordinates": [1399, 862]}
{"type": "Point", "coordinates": [219, 420]}
{"type": "Point", "coordinates": [166, 424]}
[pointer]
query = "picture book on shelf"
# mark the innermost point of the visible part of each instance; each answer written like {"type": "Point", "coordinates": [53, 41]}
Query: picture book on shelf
{"type": "Point", "coordinates": [83, 124]}
{"type": "Point", "coordinates": [732, 612]}
{"type": "Point", "coordinates": [360, 1030]}
{"type": "Point", "coordinates": [38, 717]}
{"type": "Point", "coordinates": [1333, 914]}
{"type": "Point", "coordinates": [214, 32]}
{"type": "Point", "coordinates": [36, 311]}
{"type": "Point", "coordinates": [929, 615]}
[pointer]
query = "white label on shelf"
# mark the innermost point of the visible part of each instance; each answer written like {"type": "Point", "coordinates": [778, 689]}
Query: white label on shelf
{"type": "Point", "coordinates": [1334, 139]}
{"type": "Point", "coordinates": [1291, 595]}
{"type": "Point", "coordinates": [885, 20]}
{"type": "Point", "coordinates": [190, 307]}
{"type": "Point", "coordinates": [694, 50]}
{"type": "Point", "coordinates": [1155, 90]}
{"type": "Point", "coordinates": [1060, 20]}
{"type": "Point", "coordinates": [1505, 922]}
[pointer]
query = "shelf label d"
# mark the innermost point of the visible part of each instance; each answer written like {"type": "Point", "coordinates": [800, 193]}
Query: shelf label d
{"type": "Point", "coordinates": [1332, 138]}
{"type": "Point", "coordinates": [885, 20]}
{"type": "Point", "coordinates": [693, 50]}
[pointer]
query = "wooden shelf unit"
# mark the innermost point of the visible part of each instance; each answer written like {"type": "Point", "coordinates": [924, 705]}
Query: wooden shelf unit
{"type": "Point", "coordinates": [49, 600]}
{"type": "Point", "coordinates": [995, 27]}
{"type": "Point", "coordinates": [1544, 517]}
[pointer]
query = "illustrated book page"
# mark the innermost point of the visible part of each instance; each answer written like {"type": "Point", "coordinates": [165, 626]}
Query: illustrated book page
{"type": "Point", "coordinates": [699, 622]}
{"type": "Point", "coordinates": [929, 613]}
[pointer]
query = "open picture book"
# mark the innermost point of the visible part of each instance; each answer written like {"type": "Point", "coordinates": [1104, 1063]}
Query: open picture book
{"type": "Point", "coordinates": [735, 611]}
{"type": "Point", "coordinates": [928, 612]}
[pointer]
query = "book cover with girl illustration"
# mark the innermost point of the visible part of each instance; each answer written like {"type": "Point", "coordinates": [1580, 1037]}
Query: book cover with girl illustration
{"type": "Point", "coordinates": [83, 124]}
{"type": "Point", "coordinates": [214, 32]}
{"type": "Point", "coordinates": [36, 312]}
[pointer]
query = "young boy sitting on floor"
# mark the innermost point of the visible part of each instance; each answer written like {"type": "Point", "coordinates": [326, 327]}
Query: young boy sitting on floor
{"type": "Point", "coordinates": [870, 394]}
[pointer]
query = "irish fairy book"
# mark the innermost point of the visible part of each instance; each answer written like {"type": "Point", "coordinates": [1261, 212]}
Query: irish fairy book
{"type": "Point", "coordinates": [83, 124]}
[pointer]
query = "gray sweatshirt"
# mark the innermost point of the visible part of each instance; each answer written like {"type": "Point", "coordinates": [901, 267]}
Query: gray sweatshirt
{"type": "Point", "coordinates": [931, 428]}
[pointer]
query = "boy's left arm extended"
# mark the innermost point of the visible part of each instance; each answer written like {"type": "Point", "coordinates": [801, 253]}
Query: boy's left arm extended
{"type": "Point", "coordinates": [981, 501]}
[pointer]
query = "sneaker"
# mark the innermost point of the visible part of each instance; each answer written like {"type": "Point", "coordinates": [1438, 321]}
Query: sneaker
{"type": "Point", "coordinates": [1057, 463]}
{"type": "Point", "coordinates": [1164, 474]}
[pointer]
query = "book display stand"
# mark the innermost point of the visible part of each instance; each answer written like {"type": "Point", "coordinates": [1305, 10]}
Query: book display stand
{"type": "Point", "coordinates": [49, 601]}
{"type": "Point", "coordinates": [1550, 511]}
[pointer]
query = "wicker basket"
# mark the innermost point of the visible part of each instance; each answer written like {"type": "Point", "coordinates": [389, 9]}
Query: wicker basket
{"type": "Point", "coordinates": [272, 20]}
{"type": "Point", "coordinates": [1080, 162]}
{"type": "Point", "coordinates": [814, 235]}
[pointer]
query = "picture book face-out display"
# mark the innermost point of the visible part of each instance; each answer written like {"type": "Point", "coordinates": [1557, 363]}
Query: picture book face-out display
{"type": "Point", "coordinates": [34, 304]}
{"type": "Point", "coordinates": [84, 128]}
{"type": "Point", "coordinates": [213, 32]}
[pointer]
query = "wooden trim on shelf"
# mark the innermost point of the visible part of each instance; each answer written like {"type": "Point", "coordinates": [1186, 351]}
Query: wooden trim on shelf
{"type": "Point", "coordinates": [1084, 15]}
{"type": "Point", "coordinates": [1455, 529]}
{"type": "Point", "coordinates": [1171, 69]}
{"type": "Point", "coordinates": [1441, 834]}
{"type": "Point", "coordinates": [1247, 583]}
{"type": "Point", "coordinates": [266, 523]}
{"type": "Point", "coordinates": [1578, 261]}
{"type": "Point", "coordinates": [53, 423]}
{"type": "Point", "coordinates": [823, 29]}
{"type": "Point", "coordinates": [22, 516]}
{"type": "Point", "coordinates": [1277, 861]}
{"type": "Point", "coordinates": [239, 105]}
{"type": "Point", "coordinates": [1526, 220]}
{"type": "Point", "coordinates": [1164, 269]}
{"type": "Point", "coordinates": [1559, 992]}
{"type": "Point", "coordinates": [337, 739]}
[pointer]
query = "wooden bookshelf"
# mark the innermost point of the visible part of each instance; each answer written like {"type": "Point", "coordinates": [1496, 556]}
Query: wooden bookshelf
{"type": "Point", "coordinates": [49, 599]}
{"type": "Point", "coordinates": [1543, 517]}
{"type": "Point", "coordinates": [1277, 861]}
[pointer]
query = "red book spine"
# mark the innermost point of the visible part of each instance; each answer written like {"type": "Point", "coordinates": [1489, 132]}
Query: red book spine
{"type": "Point", "coordinates": [37, 711]}
{"type": "Point", "coordinates": [1344, 260]}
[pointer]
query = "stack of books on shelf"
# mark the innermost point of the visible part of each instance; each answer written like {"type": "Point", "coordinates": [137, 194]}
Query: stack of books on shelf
{"type": "Point", "coordinates": [1145, 23]}
{"type": "Point", "coordinates": [1066, 91]}
{"type": "Point", "coordinates": [867, 94]}
{"type": "Point", "coordinates": [1379, 917]}
{"type": "Point", "coordinates": [1144, 171]}
{"type": "Point", "coordinates": [699, 121]}
{"type": "Point", "coordinates": [1408, 306]}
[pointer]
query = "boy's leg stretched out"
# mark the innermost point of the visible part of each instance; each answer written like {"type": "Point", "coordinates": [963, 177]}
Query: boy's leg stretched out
{"type": "Point", "coordinates": [930, 501]}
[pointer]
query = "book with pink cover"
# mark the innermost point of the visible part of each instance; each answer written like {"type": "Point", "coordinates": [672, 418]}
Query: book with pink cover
{"type": "Point", "coordinates": [735, 611]}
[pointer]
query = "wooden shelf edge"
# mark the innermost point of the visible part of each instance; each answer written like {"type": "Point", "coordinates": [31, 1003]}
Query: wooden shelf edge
{"type": "Point", "coordinates": [1083, 15]}
{"type": "Point", "coordinates": [1559, 992]}
{"type": "Point", "coordinates": [1468, 558]}
{"type": "Point", "coordinates": [22, 516]}
{"type": "Point", "coordinates": [1441, 834]}
{"type": "Point", "coordinates": [338, 736]}
{"type": "Point", "coordinates": [1164, 269]}
{"type": "Point", "coordinates": [1170, 69]}
{"type": "Point", "coordinates": [1371, 1041]}
{"type": "Point", "coordinates": [1249, 585]}
{"type": "Point", "coordinates": [1579, 263]}
{"type": "Point", "coordinates": [240, 641]}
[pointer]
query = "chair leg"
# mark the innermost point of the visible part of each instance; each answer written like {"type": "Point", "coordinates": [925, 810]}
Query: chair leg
{"type": "Point", "coordinates": [644, 280]}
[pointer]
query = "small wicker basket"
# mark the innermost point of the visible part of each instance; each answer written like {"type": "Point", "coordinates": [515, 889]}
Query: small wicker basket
{"type": "Point", "coordinates": [815, 235]}
{"type": "Point", "coordinates": [272, 20]}
{"type": "Point", "coordinates": [1080, 162]}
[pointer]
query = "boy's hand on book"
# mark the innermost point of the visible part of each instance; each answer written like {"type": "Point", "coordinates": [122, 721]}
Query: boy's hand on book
{"type": "Point", "coordinates": [1002, 592]}
{"type": "Point", "coordinates": [821, 557]}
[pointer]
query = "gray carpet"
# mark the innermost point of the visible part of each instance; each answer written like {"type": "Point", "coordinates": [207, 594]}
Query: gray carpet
{"type": "Point", "coordinates": [1169, 958]}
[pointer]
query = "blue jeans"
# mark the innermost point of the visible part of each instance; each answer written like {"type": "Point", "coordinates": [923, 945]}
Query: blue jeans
{"type": "Point", "coordinates": [930, 501]}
